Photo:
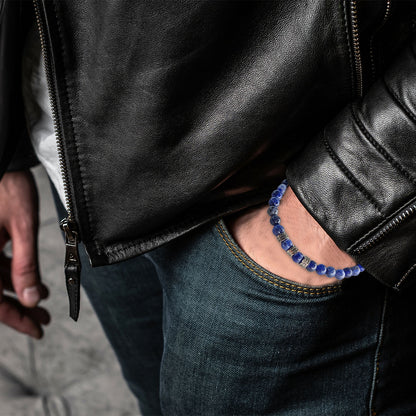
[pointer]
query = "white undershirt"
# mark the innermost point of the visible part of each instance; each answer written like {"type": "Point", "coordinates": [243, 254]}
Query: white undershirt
{"type": "Point", "coordinates": [38, 111]}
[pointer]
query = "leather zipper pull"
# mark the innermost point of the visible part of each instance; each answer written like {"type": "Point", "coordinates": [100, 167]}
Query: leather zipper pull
{"type": "Point", "coordinates": [72, 268]}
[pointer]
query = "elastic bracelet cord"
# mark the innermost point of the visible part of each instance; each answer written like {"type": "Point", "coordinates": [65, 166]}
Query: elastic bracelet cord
{"type": "Point", "coordinates": [293, 252]}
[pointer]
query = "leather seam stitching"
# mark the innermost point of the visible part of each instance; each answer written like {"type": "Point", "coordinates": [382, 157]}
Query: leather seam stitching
{"type": "Point", "coordinates": [404, 277]}
{"type": "Point", "coordinates": [350, 176]}
{"type": "Point", "coordinates": [381, 149]}
{"type": "Point", "coordinates": [288, 286]}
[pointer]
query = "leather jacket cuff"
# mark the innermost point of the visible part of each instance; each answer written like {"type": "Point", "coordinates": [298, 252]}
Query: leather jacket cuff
{"type": "Point", "coordinates": [357, 178]}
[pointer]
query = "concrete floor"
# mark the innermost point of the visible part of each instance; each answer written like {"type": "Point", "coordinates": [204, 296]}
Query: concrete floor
{"type": "Point", "coordinates": [72, 371]}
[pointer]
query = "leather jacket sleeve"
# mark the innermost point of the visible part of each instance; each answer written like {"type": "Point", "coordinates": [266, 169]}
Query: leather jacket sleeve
{"type": "Point", "coordinates": [358, 176]}
{"type": "Point", "coordinates": [24, 156]}
{"type": "Point", "coordinates": [16, 152]}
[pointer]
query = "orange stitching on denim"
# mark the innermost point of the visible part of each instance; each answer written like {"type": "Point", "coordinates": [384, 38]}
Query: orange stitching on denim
{"type": "Point", "coordinates": [242, 258]}
{"type": "Point", "coordinates": [299, 289]}
{"type": "Point", "coordinates": [303, 290]}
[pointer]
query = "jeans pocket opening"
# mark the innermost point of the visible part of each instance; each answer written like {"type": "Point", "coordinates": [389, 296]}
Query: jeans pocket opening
{"type": "Point", "coordinates": [257, 271]}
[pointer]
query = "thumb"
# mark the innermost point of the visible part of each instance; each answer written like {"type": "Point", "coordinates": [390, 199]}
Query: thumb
{"type": "Point", "coordinates": [24, 271]}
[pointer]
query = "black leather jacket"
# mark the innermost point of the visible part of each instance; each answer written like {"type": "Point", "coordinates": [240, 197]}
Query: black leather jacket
{"type": "Point", "coordinates": [172, 113]}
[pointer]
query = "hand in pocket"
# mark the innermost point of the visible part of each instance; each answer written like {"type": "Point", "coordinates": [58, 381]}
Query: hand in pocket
{"type": "Point", "coordinates": [253, 233]}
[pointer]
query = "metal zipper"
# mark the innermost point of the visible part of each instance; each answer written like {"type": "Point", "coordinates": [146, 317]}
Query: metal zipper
{"type": "Point", "coordinates": [390, 226]}
{"type": "Point", "coordinates": [356, 49]}
{"type": "Point", "coordinates": [72, 265]}
{"type": "Point", "coordinates": [383, 22]}
{"type": "Point", "coordinates": [72, 268]}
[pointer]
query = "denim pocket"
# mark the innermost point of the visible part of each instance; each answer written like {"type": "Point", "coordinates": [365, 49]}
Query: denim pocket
{"type": "Point", "coordinates": [263, 276]}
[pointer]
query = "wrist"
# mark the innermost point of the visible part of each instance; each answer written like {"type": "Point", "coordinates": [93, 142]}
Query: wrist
{"type": "Point", "coordinates": [306, 234]}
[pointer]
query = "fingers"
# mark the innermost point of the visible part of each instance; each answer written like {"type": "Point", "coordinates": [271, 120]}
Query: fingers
{"type": "Point", "coordinates": [6, 280]}
{"type": "Point", "coordinates": [24, 320]}
{"type": "Point", "coordinates": [39, 314]}
{"type": "Point", "coordinates": [19, 223]}
{"type": "Point", "coordinates": [24, 266]}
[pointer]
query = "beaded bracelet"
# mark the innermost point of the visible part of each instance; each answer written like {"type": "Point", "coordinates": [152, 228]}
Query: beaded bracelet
{"type": "Point", "coordinates": [293, 252]}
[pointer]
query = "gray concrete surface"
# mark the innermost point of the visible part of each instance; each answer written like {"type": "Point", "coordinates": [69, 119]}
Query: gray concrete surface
{"type": "Point", "coordinates": [72, 371]}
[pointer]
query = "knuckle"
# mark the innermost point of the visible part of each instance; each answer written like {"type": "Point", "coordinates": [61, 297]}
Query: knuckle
{"type": "Point", "coordinates": [25, 271]}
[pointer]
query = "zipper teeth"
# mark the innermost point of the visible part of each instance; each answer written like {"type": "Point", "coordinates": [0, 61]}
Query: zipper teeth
{"type": "Point", "coordinates": [356, 48]}
{"type": "Point", "coordinates": [53, 103]}
{"type": "Point", "coordinates": [386, 229]}
{"type": "Point", "coordinates": [383, 22]}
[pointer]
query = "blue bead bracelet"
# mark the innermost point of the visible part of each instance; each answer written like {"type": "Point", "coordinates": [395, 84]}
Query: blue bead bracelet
{"type": "Point", "coordinates": [291, 249]}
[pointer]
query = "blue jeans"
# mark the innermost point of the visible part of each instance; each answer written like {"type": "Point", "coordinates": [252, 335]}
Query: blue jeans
{"type": "Point", "coordinates": [201, 329]}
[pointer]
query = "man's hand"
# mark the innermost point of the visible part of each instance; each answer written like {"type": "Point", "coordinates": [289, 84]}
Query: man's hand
{"type": "Point", "coordinates": [19, 223]}
{"type": "Point", "coordinates": [253, 232]}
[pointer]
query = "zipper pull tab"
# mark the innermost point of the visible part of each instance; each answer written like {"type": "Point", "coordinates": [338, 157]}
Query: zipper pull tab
{"type": "Point", "coordinates": [72, 267]}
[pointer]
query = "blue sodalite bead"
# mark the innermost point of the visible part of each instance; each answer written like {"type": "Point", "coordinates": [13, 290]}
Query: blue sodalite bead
{"type": "Point", "coordinates": [297, 257]}
{"type": "Point", "coordinates": [274, 202]}
{"type": "Point", "coordinates": [274, 220]}
{"type": "Point", "coordinates": [339, 274]}
{"type": "Point", "coordinates": [330, 271]}
{"type": "Point", "coordinates": [320, 269]}
{"type": "Point", "coordinates": [282, 188]}
{"type": "Point", "coordinates": [278, 229]}
{"type": "Point", "coordinates": [348, 272]}
{"type": "Point", "coordinates": [272, 210]}
{"type": "Point", "coordinates": [311, 267]}
{"type": "Point", "coordinates": [277, 194]}
{"type": "Point", "coordinates": [286, 244]}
